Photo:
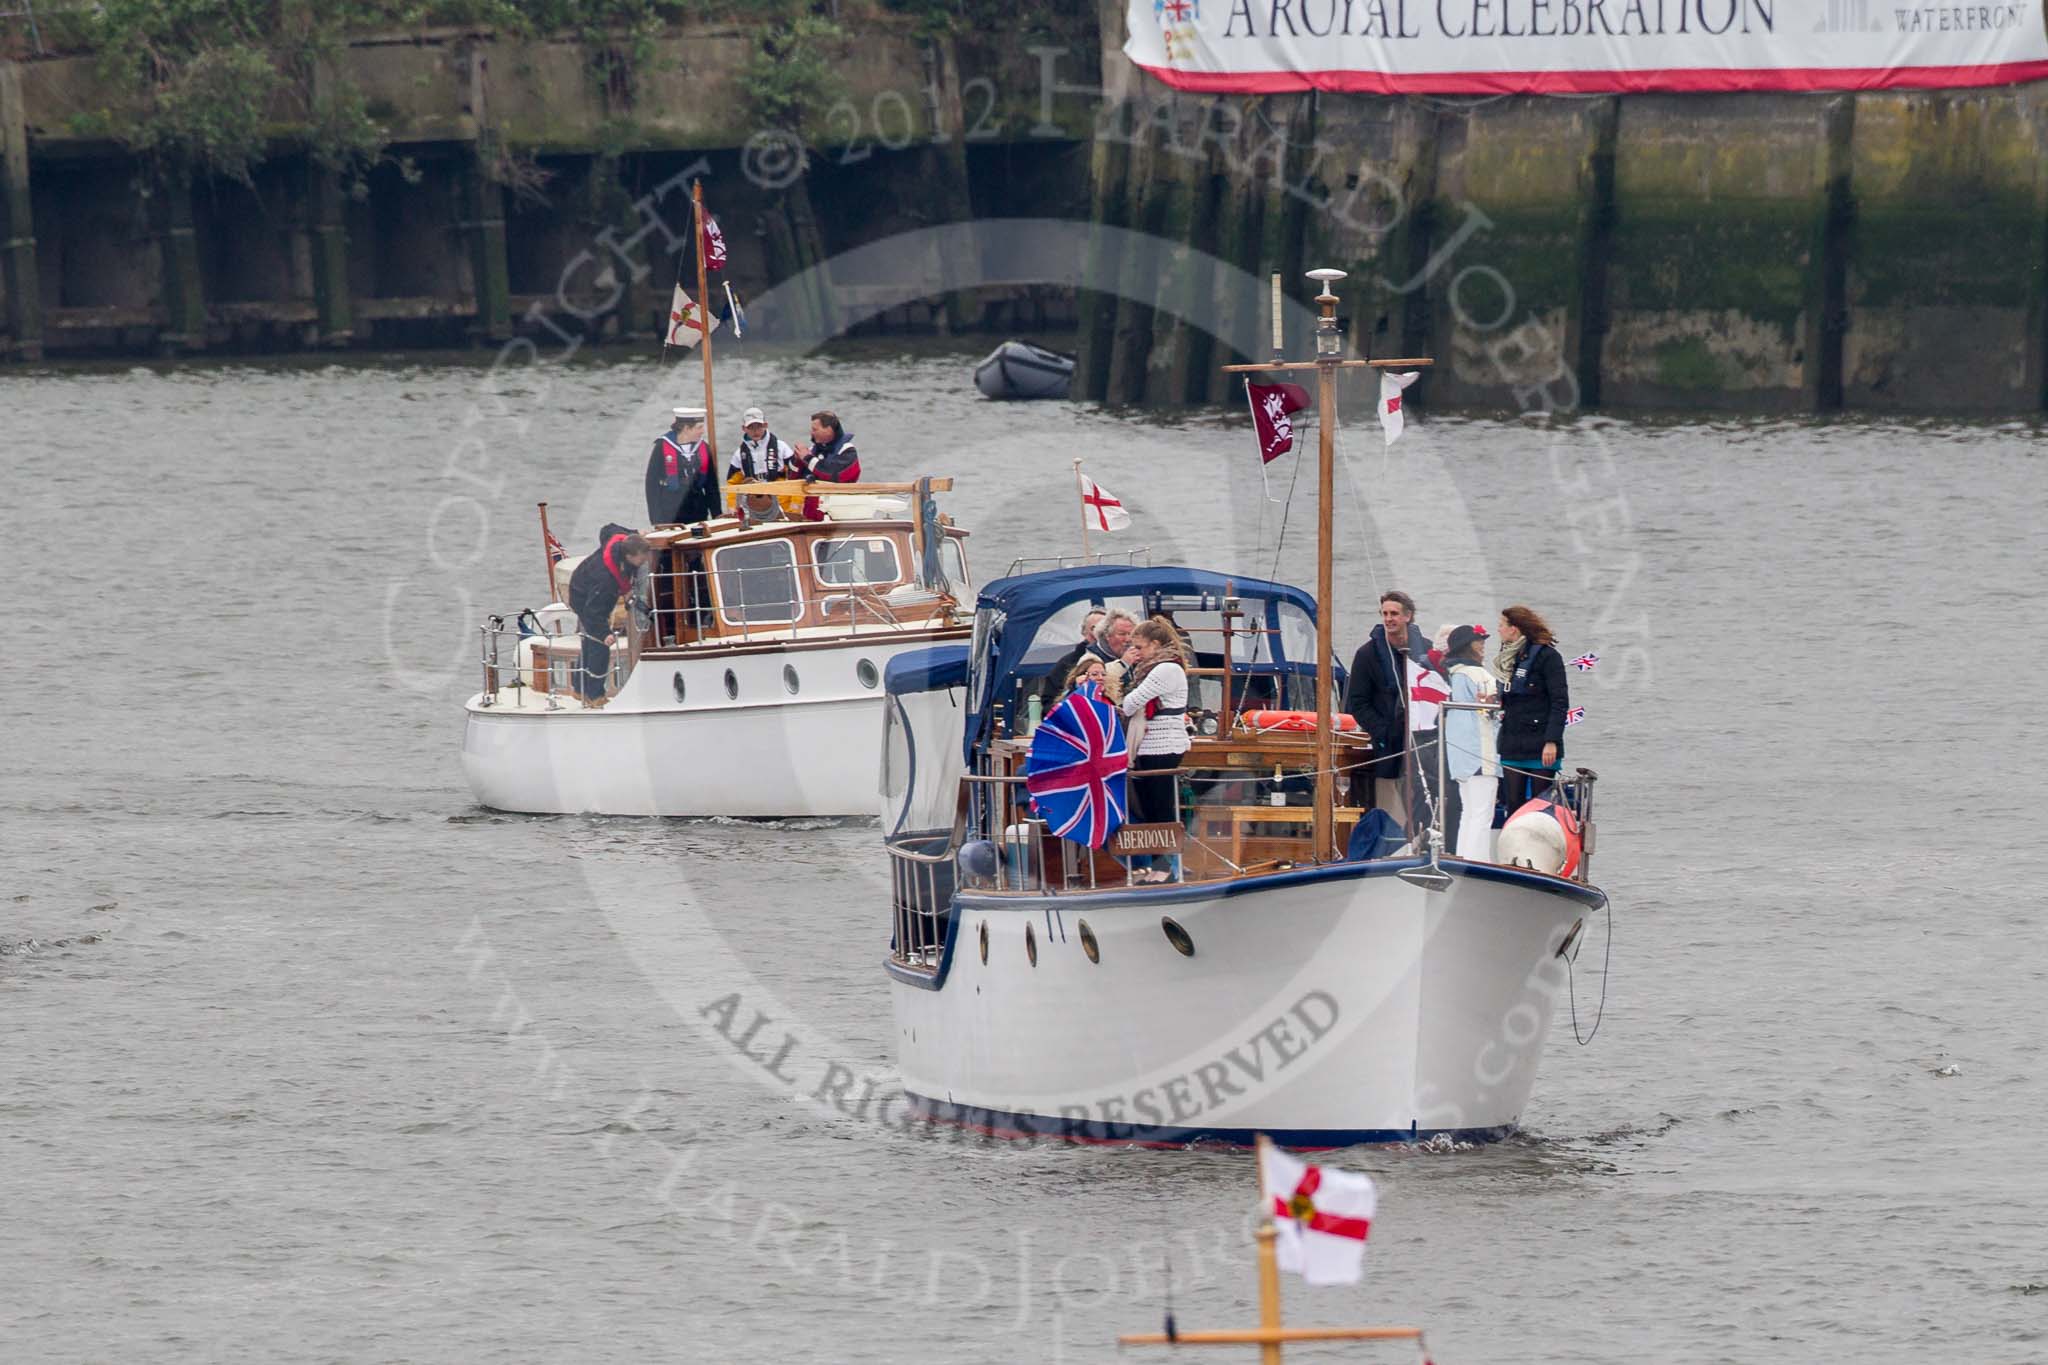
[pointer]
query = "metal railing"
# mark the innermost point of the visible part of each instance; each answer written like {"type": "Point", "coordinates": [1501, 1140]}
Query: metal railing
{"type": "Point", "coordinates": [921, 900]}
{"type": "Point", "coordinates": [1140, 558]}
{"type": "Point", "coordinates": [508, 666]}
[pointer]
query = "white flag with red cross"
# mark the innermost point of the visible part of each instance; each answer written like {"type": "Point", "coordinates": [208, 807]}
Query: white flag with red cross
{"type": "Point", "coordinates": [686, 321]}
{"type": "Point", "coordinates": [1321, 1214]}
{"type": "Point", "coordinates": [1391, 387]}
{"type": "Point", "coordinates": [1100, 510]}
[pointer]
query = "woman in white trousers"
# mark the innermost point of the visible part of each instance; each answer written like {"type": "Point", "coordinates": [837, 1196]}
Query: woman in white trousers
{"type": "Point", "coordinates": [1470, 753]}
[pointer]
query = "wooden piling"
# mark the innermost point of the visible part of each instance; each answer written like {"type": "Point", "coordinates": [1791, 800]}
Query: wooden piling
{"type": "Point", "coordinates": [19, 277]}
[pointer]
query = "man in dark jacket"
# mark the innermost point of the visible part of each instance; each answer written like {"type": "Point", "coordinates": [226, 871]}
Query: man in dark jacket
{"type": "Point", "coordinates": [595, 589]}
{"type": "Point", "coordinates": [682, 484]}
{"type": "Point", "coordinates": [830, 459]}
{"type": "Point", "coordinates": [1376, 696]}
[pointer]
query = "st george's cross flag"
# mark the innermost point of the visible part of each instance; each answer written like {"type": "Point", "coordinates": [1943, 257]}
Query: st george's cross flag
{"type": "Point", "coordinates": [1391, 387]}
{"type": "Point", "coordinates": [1076, 769]}
{"type": "Point", "coordinates": [1427, 692]}
{"type": "Point", "coordinates": [1271, 406]}
{"type": "Point", "coordinates": [686, 321]}
{"type": "Point", "coordinates": [1100, 509]}
{"type": "Point", "coordinates": [1322, 1216]}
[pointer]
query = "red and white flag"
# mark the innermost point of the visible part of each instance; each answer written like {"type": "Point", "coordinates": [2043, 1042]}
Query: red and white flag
{"type": "Point", "coordinates": [1427, 691]}
{"type": "Point", "coordinates": [1100, 510]}
{"type": "Point", "coordinates": [1271, 404]}
{"type": "Point", "coordinates": [1391, 386]}
{"type": "Point", "coordinates": [1321, 1214]}
{"type": "Point", "coordinates": [686, 321]}
{"type": "Point", "coordinates": [714, 244]}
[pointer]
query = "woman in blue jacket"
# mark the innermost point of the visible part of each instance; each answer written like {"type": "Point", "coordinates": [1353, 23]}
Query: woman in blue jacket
{"type": "Point", "coordinates": [1533, 702]}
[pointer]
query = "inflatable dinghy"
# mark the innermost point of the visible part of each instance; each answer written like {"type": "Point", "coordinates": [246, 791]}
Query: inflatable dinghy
{"type": "Point", "coordinates": [1017, 369]}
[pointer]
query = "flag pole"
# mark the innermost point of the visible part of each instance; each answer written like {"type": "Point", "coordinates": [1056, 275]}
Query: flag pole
{"type": "Point", "coordinates": [1081, 492]}
{"type": "Point", "coordinates": [547, 551]}
{"type": "Point", "coordinates": [1269, 1264]}
{"type": "Point", "coordinates": [704, 322]}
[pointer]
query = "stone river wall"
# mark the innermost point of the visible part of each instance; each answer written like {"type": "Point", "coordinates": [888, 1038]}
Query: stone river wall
{"type": "Point", "coordinates": [1757, 253]}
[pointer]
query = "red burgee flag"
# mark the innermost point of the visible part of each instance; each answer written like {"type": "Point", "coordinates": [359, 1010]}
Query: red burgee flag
{"type": "Point", "coordinates": [1321, 1214]}
{"type": "Point", "coordinates": [686, 321]}
{"type": "Point", "coordinates": [1391, 385]}
{"type": "Point", "coordinates": [714, 244]}
{"type": "Point", "coordinates": [1271, 404]}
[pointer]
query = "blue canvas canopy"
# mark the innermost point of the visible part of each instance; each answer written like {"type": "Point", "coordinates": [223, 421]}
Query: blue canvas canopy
{"type": "Point", "coordinates": [925, 670]}
{"type": "Point", "coordinates": [1010, 612]}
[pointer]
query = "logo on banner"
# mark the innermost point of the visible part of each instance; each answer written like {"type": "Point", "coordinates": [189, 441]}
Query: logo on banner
{"type": "Point", "coordinates": [1177, 19]}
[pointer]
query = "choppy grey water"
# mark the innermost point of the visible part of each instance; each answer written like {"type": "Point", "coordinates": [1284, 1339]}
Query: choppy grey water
{"type": "Point", "coordinates": [304, 1057]}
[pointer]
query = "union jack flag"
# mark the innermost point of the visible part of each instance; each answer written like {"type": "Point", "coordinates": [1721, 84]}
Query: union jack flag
{"type": "Point", "coordinates": [555, 551]}
{"type": "Point", "coordinates": [1075, 770]}
{"type": "Point", "coordinates": [1575, 715]}
{"type": "Point", "coordinates": [1584, 663]}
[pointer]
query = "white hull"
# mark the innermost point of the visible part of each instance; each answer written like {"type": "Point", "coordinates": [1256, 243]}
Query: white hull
{"type": "Point", "coordinates": [765, 753]}
{"type": "Point", "coordinates": [1324, 1007]}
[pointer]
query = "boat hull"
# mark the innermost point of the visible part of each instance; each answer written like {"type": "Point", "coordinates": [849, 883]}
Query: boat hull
{"type": "Point", "coordinates": [691, 749]}
{"type": "Point", "coordinates": [1324, 1006]}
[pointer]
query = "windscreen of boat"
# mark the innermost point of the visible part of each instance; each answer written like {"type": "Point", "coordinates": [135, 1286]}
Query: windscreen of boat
{"type": "Point", "coordinates": [922, 761]}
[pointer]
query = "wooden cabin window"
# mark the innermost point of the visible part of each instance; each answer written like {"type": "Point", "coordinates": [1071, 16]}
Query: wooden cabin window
{"type": "Point", "coordinates": [849, 561]}
{"type": "Point", "coordinates": [757, 583]}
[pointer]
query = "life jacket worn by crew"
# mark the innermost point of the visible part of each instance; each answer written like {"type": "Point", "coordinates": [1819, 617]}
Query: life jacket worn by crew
{"type": "Point", "coordinates": [682, 486]}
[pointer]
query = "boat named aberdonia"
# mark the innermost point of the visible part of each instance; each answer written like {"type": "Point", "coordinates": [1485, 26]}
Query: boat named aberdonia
{"type": "Point", "coordinates": [1306, 970]}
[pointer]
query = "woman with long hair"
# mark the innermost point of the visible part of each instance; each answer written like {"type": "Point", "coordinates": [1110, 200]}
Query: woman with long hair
{"type": "Point", "coordinates": [1533, 703]}
{"type": "Point", "coordinates": [1158, 691]}
{"type": "Point", "coordinates": [1091, 670]}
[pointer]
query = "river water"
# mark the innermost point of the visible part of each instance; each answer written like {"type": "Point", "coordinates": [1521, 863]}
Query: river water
{"type": "Point", "coordinates": [305, 1057]}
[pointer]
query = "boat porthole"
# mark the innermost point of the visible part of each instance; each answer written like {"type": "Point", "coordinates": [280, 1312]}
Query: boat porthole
{"type": "Point", "coordinates": [869, 675]}
{"type": "Point", "coordinates": [1088, 943]}
{"type": "Point", "coordinates": [679, 686]}
{"type": "Point", "coordinates": [1031, 945]}
{"type": "Point", "coordinates": [1178, 937]}
{"type": "Point", "coordinates": [984, 942]}
{"type": "Point", "coordinates": [789, 678]}
{"type": "Point", "coordinates": [732, 684]}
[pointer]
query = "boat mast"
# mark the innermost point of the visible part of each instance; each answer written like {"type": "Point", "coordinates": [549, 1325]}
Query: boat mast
{"type": "Point", "coordinates": [1329, 359]}
{"type": "Point", "coordinates": [704, 321]}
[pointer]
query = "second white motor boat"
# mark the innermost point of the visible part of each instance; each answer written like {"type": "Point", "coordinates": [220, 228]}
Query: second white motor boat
{"type": "Point", "coordinates": [751, 681]}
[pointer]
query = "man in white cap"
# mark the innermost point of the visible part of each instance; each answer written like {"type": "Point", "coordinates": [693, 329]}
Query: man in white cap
{"type": "Point", "coordinates": [761, 454]}
{"type": "Point", "coordinates": [682, 486]}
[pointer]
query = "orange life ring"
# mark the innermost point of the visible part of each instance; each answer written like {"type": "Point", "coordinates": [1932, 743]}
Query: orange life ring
{"type": "Point", "coordinates": [1304, 721]}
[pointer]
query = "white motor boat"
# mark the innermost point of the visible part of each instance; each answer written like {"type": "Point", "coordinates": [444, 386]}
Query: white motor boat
{"type": "Point", "coordinates": [752, 683]}
{"type": "Point", "coordinates": [1282, 978]}
{"type": "Point", "coordinates": [1037, 991]}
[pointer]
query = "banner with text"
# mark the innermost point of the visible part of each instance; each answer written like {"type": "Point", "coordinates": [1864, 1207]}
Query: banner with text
{"type": "Point", "coordinates": [1491, 47]}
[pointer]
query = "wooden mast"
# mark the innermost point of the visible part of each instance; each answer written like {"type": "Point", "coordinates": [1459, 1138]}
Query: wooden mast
{"type": "Point", "coordinates": [1269, 1335]}
{"type": "Point", "coordinates": [1329, 353]}
{"type": "Point", "coordinates": [704, 322]}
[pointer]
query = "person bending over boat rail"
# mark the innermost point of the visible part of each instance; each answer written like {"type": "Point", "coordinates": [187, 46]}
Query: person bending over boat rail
{"type": "Point", "coordinates": [601, 583]}
{"type": "Point", "coordinates": [682, 486]}
{"type": "Point", "coordinates": [1159, 693]}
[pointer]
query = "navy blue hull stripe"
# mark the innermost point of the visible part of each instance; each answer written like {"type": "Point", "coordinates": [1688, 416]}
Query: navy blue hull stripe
{"type": "Point", "coordinates": [1000, 1123]}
